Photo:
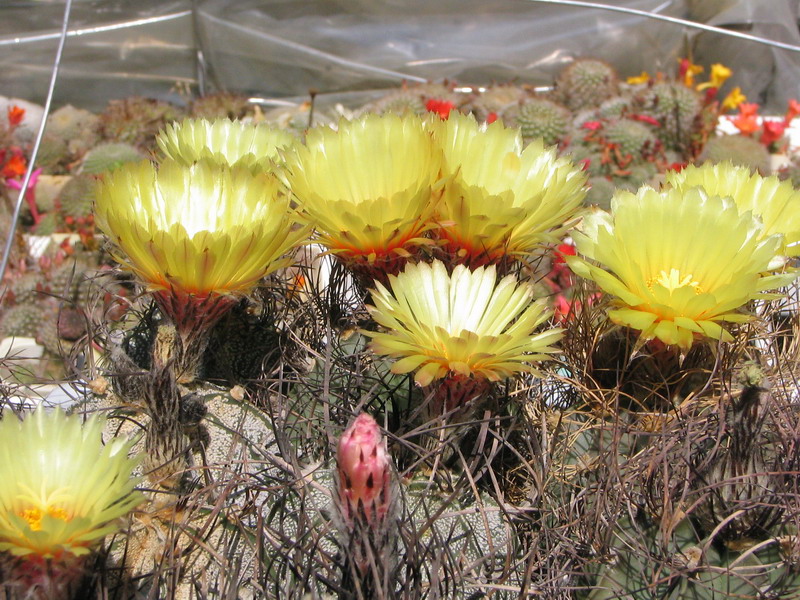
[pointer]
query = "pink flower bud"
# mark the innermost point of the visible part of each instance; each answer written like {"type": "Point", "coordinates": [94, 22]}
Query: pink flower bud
{"type": "Point", "coordinates": [363, 472]}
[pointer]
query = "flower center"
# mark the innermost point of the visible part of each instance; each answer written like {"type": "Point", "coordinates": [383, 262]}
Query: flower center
{"type": "Point", "coordinates": [34, 516]}
{"type": "Point", "coordinates": [674, 280]}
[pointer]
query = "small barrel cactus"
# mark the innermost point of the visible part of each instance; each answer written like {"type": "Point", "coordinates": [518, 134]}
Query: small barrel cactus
{"type": "Point", "coordinates": [615, 106]}
{"type": "Point", "coordinates": [677, 108]}
{"type": "Point", "coordinates": [740, 150]}
{"type": "Point", "coordinates": [587, 82]}
{"type": "Point", "coordinates": [400, 101]}
{"type": "Point", "coordinates": [220, 105]}
{"type": "Point", "coordinates": [137, 120]}
{"type": "Point", "coordinates": [540, 118]}
{"type": "Point", "coordinates": [109, 156]}
{"type": "Point", "coordinates": [21, 320]}
{"type": "Point", "coordinates": [631, 137]}
{"type": "Point", "coordinates": [496, 100]}
{"type": "Point", "coordinates": [77, 197]}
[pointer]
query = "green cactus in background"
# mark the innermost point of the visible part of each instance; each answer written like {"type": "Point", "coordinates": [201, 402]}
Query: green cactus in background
{"type": "Point", "coordinates": [220, 105]}
{"type": "Point", "coordinates": [601, 189]}
{"type": "Point", "coordinates": [631, 137]}
{"type": "Point", "coordinates": [77, 197]}
{"type": "Point", "coordinates": [497, 100]}
{"type": "Point", "coordinates": [587, 82]}
{"type": "Point", "coordinates": [50, 223]}
{"type": "Point", "coordinates": [678, 110]}
{"type": "Point", "coordinates": [136, 120]}
{"type": "Point", "coordinates": [109, 156]}
{"type": "Point", "coordinates": [617, 106]}
{"type": "Point", "coordinates": [741, 150]}
{"type": "Point", "coordinates": [69, 134]}
{"type": "Point", "coordinates": [400, 101]}
{"type": "Point", "coordinates": [21, 320]}
{"type": "Point", "coordinates": [539, 118]}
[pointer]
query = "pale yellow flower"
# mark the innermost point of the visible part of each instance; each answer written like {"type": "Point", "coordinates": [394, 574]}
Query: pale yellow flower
{"type": "Point", "coordinates": [500, 200]}
{"type": "Point", "coordinates": [368, 187]}
{"type": "Point", "coordinates": [465, 324]}
{"type": "Point", "coordinates": [677, 263]}
{"type": "Point", "coordinates": [62, 490]}
{"type": "Point", "coordinates": [775, 202]}
{"type": "Point", "coordinates": [224, 142]}
{"type": "Point", "coordinates": [198, 229]}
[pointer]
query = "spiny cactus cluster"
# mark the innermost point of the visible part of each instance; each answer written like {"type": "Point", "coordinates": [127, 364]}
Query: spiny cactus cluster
{"type": "Point", "coordinates": [586, 83]}
{"type": "Point", "coordinates": [620, 467]}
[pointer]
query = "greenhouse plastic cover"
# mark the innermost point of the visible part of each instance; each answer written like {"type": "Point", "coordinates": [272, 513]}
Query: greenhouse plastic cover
{"type": "Point", "coordinates": [279, 50]}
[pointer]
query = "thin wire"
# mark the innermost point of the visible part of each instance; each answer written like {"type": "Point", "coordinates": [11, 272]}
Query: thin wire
{"type": "Point", "coordinates": [29, 172]}
{"type": "Point", "coordinates": [674, 20]}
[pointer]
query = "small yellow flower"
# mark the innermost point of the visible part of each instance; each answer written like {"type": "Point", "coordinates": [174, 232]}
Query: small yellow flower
{"type": "Point", "coordinates": [734, 99]}
{"type": "Point", "coordinates": [688, 69]}
{"type": "Point", "coordinates": [368, 187]}
{"type": "Point", "coordinates": [678, 262]}
{"type": "Point", "coordinates": [500, 200]}
{"type": "Point", "coordinates": [200, 229]}
{"type": "Point", "coordinates": [776, 202]}
{"type": "Point", "coordinates": [62, 490]}
{"type": "Point", "coordinates": [643, 77]}
{"type": "Point", "coordinates": [719, 75]}
{"type": "Point", "coordinates": [466, 324]}
{"type": "Point", "coordinates": [224, 142]}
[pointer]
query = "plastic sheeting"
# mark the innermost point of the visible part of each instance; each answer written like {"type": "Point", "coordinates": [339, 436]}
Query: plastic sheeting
{"type": "Point", "coordinates": [283, 48]}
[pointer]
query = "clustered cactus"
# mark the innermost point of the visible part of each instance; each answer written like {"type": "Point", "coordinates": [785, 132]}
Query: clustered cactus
{"type": "Point", "coordinates": [467, 401]}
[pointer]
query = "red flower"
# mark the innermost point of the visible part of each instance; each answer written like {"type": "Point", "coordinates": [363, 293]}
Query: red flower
{"type": "Point", "coordinates": [772, 132]}
{"type": "Point", "coordinates": [748, 109]}
{"type": "Point", "coordinates": [563, 309]}
{"type": "Point", "coordinates": [15, 115]}
{"type": "Point", "coordinates": [792, 111]}
{"type": "Point", "coordinates": [560, 275]}
{"type": "Point", "coordinates": [14, 167]}
{"type": "Point", "coordinates": [592, 125]}
{"type": "Point", "coordinates": [563, 250]}
{"type": "Point", "coordinates": [646, 119]}
{"type": "Point", "coordinates": [440, 107]}
{"type": "Point", "coordinates": [746, 124]}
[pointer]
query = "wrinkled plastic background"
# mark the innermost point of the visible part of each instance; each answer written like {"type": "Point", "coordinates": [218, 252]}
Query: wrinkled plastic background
{"type": "Point", "coordinates": [280, 49]}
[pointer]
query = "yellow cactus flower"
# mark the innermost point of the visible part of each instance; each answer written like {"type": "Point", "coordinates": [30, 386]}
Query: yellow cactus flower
{"type": "Point", "coordinates": [224, 142]}
{"type": "Point", "coordinates": [467, 324]}
{"type": "Point", "coordinates": [719, 75]}
{"type": "Point", "coordinates": [501, 202]}
{"type": "Point", "coordinates": [734, 98]}
{"type": "Point", "coordinates": [688, 70]}
{"type": "Point", "coordinates": [368, 188]}
{"type": "Point", "coordinates": [678, 262]}
{"type": "Point", "coordinates": [643, 77]}
{"type": "Point", "coordinates": [776, 202]}
{"type": "Point", "coordinates": [62, 490]}
{"type": "Point", "coordinates": [197, 230]}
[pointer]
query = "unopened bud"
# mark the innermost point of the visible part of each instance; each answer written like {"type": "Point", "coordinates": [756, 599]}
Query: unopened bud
{"type": "Point", "coordinates": [364, 472]}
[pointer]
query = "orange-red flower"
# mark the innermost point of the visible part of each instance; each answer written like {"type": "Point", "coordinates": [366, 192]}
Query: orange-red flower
{"type": "Point", "coordinates": [15, 115]}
